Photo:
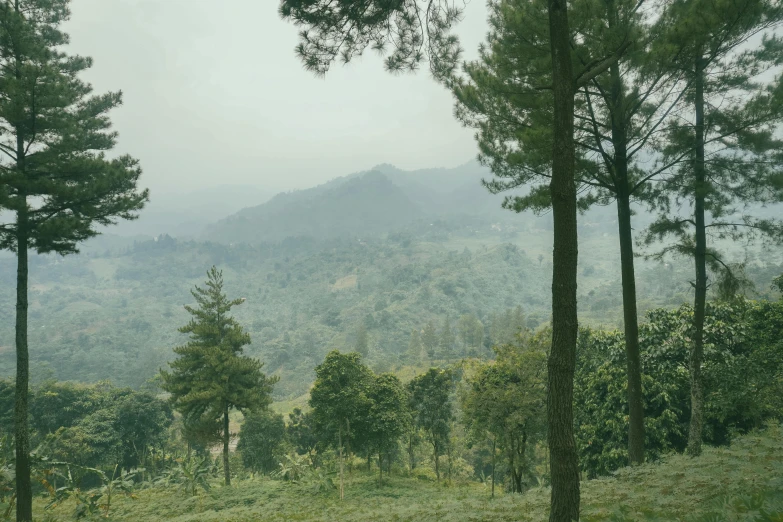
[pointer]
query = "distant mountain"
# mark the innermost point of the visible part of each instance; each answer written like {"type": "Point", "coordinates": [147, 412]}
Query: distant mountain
{"type": "Point", "coordinates": [353, 206]}
{"type": "Point", "coordinates": [384, 199]}
{"type": "Point", "coordinates": [186, 214]}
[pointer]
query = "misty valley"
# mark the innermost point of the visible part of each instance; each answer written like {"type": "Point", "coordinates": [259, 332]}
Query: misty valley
{"type": "Point", "coordinates": [583, 323]}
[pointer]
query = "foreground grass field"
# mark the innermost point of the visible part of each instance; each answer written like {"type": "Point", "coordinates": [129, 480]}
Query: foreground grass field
{"type": "Point", "coordinates": [740, 483]}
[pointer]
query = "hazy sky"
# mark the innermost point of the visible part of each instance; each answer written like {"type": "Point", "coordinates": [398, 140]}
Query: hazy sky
{"type": "Point", "coordinates": [213, 94]}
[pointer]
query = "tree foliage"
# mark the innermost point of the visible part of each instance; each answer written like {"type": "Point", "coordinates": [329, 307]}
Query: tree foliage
{"type": "Point", "coordinates": [211, 376]}
{"type": "Point", "coordinates": [432, 409]}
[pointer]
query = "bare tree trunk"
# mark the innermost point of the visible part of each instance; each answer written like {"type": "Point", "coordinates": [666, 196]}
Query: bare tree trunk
{"type": "Point", "coordinates": [24, 491]}
{"type": "Point", "coordinates": [630, 317]}
{"type": "Point", "coordinates": [700, 298]}
{"type": "Point", "coordinates": [226, 437]}
{"type": "Point", "coordinates": [411, 456]}
{"type": "Point", "coordinates": [562, 358]}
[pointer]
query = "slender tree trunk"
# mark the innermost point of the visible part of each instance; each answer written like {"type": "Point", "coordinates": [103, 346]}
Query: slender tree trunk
{"type": "Point", "coordinates": [24, 492]}
{"type": "Point", "coordinates": [411, 456]}
{"type": "Point", "coordinates": [437, 468]}
{"type": "Point", "coordinates": [340, 449]}
{"type": "Point", "coordinates": [493, 468]}
{"type": "Point", "coordinates": [562, 357]}
{"type": "Point", "coordinates": [226, 437]}
{"type": "Point", "coordinates": [380, 469]}
{"type": "Point", "coordinates": [700, 298]}
{"type": "Point", "coordinates": [630, 317]}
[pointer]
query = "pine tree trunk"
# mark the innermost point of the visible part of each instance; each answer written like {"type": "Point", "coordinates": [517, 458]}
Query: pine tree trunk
{"type": "Point", "coordinates": [562, 358]}
{"type": "Point", "coordinates": [226, 437]}
{"type": "Point", "coordinates": [700, 298]}
{"type": "Point", "coordinates": [24, 492]}
{"type": "Point", "coordinates": [630, 318]}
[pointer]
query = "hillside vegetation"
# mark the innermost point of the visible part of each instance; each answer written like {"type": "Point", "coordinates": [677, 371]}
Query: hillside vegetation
{"type": "Point", "coordinates": [743, 482]}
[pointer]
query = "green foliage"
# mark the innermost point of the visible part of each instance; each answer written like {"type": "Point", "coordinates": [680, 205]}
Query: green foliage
{"type": "Point", "coordinates": [724, 484]}
{"type": "Point", "coordinates": [300, 432]}
{"type": "Point", "coordinates": [742, 369]}
{"type": "Point", "coordinates": [342, 30]}
{"type": "Point", "coordinates": [100, 425]}
{"type": "Point", "coordinates": [260, 439]}
{"type": "Point", "coordinates": [430, 403]}
{"type": "Point", "coordinates": [56, 178]}
{"type": "Point", "coordinates": [210, 377]}
{"type": "Point", "coordinates": [505, 401]}
{"type": "Point", "coordinates": [600, 390]}
{"type": "Point", "coordinates": [338, 398]}
{"type": "Point", "coordinates": [388, 417]}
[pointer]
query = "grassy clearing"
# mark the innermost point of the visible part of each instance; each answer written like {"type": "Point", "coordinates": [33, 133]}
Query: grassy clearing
{"type": "Point", "coordinates": [740, 483]}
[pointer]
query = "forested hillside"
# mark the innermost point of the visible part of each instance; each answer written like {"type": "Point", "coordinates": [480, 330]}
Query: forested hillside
{"type": "Point", "coordinates": [112, 311]}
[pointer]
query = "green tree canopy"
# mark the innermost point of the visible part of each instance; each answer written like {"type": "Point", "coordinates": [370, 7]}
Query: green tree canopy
{"type": "Point", "coordinates": [260, 438]}
{"type": "Point", "coordinates": [432, 409]}
{"type": "Point", "coordinates": [339, 399]}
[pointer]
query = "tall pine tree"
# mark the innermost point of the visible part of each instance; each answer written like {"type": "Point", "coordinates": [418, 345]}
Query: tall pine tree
{"type": "Point", "coordinates": [723, 148]}
{"type": "Point", "coordinates": [211, 376]}
{"type": "Point", "coordinates": [411, 32]}
{"type": "Point", "coordinates": [55, 179]}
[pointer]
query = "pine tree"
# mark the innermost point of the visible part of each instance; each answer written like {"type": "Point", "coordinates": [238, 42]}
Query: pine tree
{"type": "Point", "coordinates": [619, 113]}
{"type": "Point", "coordinates": [211, 376]}
{"type": "Point", "coordinates": [54, 177]}
{"type": "Point", "coordinates": [728, 155]}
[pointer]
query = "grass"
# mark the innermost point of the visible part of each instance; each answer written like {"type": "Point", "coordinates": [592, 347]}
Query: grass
{"type": "Point", "coordinates": [741, 483]}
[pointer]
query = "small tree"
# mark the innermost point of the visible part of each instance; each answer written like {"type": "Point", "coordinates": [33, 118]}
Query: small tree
{"type": "Point", "coordinates": [339, 399]}
{"type": "Point", "coordinates": [507, 399]}
{"type": "Point", "coordinates": [259, 440]}
{"type": "Point", "coordinates": [55, 179]}
{"type": "Point", "coordinates": [432, 411]}
{"type": "Point", "coordinates": [388, 416]}
{"type": "Point", "coordinates": [211, 376]}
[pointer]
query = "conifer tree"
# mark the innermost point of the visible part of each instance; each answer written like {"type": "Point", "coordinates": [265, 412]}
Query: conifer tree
{"type": "Point", "coordinates": [619, 113]}
{"type": "Point", "coordinates": [55, 179]}
{"type": "Point", "coordinates": [211, 376]}
{"type": "Point", "coordinates": [728, 154]}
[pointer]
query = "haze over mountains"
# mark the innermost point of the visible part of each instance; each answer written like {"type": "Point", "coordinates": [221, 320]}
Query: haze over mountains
{"type": "Point", "coordinates": [381, 200]}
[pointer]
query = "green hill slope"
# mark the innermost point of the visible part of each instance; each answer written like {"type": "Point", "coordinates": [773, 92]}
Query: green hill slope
{"type": "Point", "coordinates": [740, 483]}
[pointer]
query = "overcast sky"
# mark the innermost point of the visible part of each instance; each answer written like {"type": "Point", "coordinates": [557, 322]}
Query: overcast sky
{"type": "Point", "coordinates": [213, 94]}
